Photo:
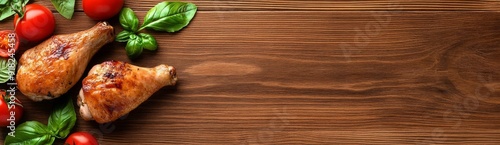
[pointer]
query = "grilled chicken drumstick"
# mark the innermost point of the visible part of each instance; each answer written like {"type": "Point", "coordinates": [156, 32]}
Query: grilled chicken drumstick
{"type": "Point", "coordinates": [50, 69]}
{"type": "Point", "coordinates": [113, 89]}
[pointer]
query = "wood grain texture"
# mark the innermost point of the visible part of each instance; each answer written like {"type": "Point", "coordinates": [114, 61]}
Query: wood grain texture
{"type": "Point", "coordinates": [321, 5]}
{"type": "Point", "coordinates": [314, 77]}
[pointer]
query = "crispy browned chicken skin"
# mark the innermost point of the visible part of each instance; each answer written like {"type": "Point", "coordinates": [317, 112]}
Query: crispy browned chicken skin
{"type": "Point", "coordinates": [113, 89]}
{"type": "Point", "coordinates": [50, 69]}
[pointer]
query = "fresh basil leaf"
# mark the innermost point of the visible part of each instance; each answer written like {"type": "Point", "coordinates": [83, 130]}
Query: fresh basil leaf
{"type": "Point", "coordinates": [3, 2]}
{"type": "Point", "coordinates": [65, 7]}
{"type": "Point", "coordinates": [123, 36]}
{"type": "Point", "coordinates": [6, 12]}
{"type": "Point", "coordinates": [134, 46]}
{"type": "Point", "coordinates": [169, 16]}
{"type": "Point", "coordinates": [5, 73]}
{"type": "Point", "coordinates": [129, 20]}
{"type": "Point", "coordinates": [6, 7]}
{"type": "Point", "coordinates": [32, 133]}
{"type": "Point", "coordinates": [62, 119]}
{"type": "Point", "coordinates": [148, 42]}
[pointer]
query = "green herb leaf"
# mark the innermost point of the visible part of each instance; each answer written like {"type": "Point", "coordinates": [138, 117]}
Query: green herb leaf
{"type": "Point", "coordinates": [65, 7]}
{"type": "Point", "coordinates": [123, 36]}
{"type": "Point", "coordinates": [62, 119]}
{"type": "Point", "coordinates": [169, 16]}
{"type": "Point", "coordinates": [6, 7]}
{"type": "Point", "coordinates": [129, 20]}
{"type": "Point", "coordinates": [134, 46]}
{"type": "Point", "coordinates": [32, 133]}
{"type": "Point", "coordinates": [3, 2]}
{"type": "Point", "coordinates": [148, 42]}
{"type": "Point", "coordinates": [5, 73]}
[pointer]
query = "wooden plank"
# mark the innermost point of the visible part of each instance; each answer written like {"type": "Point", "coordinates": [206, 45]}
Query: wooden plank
{"type": "Point", "coordinates": [320, 5]}
{"type": "Point", "coordinates": [313, 78]}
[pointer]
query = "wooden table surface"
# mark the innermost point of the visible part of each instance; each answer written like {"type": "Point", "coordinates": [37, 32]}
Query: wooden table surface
{"type": "Point", "coordinates": [312, 72]}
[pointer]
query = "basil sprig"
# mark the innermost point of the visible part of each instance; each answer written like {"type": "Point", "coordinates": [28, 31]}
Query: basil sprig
{"type": "Point", "coordinates": [165, 17]}
{"type": "Point", "coordinates": [6, 69]}
{"type": "Point", "coordinates": [65, 7]}
{"type": "Point", "coordinates": [6, 7]}
{"type": "Point", "coordinates": [60, 123]}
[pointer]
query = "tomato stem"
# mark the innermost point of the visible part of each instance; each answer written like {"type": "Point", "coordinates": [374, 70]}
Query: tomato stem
{"type": "Point", "coordinates": [3, 93]}
{"type": "Point", "coordinates": [19, 11]}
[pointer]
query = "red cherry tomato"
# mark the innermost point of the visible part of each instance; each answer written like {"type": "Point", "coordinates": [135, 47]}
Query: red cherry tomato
{"type": "Point", "coordinates": [81, 138]}
{"type": "Point", "coordinates": [37, 24]}
{"type": "Point", "coordinates": [8, 41]}
{"type": "Point", "coordinates": [10, 111]}
{"type": "Point", "coordinates": [102, 9]}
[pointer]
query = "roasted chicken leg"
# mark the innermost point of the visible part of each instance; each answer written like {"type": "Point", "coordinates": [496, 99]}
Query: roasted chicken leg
{"type": "Point", "coordinates": [50, 69]}
{"type": "Point", "coordinates": [113, 89]}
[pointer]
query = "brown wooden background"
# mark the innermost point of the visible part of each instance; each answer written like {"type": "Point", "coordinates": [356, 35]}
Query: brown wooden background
{"type": "Point", "coordinates": [313, 72]}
